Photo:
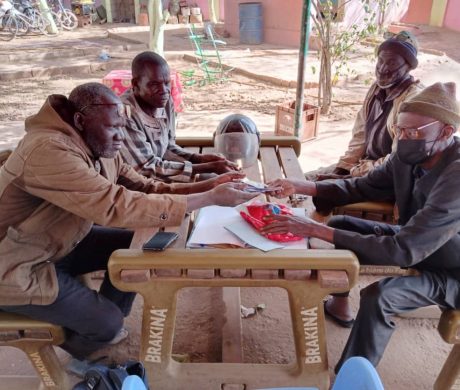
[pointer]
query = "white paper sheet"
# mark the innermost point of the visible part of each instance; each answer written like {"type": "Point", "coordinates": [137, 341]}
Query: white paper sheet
{"type": "Point", "coordinates": [210, 227]}
{"type": "Point", "coordinates": [246, 233]}
{"type": "Point", "coordinates": [217, 225]}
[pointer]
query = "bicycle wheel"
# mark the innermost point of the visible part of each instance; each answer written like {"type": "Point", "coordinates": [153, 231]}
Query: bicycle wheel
{"type": "Point", "coordinates": [9, 28]}
{"type": "Point", "coordinates": [23, 24]}
{"type": "Point", "coordinates": [33, 18]}
{"type": "Point", "coordinates": [68, 19]}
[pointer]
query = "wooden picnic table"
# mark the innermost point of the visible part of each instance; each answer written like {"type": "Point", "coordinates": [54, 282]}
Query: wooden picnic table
{"type": "Point", "coordinates": [307, 275]}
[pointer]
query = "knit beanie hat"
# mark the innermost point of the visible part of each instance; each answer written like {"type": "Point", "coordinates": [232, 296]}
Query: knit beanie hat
{"type": "Point", "coordinates": [405, 44]}
{"type": "Point", "coordinates": [437, 101]}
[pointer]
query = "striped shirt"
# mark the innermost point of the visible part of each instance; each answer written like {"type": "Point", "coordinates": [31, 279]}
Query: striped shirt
{"type": "Point", "coordinates": [150, 145]}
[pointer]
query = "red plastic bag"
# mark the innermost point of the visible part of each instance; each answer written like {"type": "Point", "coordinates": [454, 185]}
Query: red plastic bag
{"type": "Point", "coordinates": [255, 212]}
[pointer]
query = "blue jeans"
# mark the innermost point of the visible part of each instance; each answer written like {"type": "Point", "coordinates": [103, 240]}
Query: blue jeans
{"type": "Point", "coordinates": [90, 318]}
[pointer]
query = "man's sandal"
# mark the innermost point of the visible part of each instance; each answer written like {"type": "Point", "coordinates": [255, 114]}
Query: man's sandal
{"type": "Point", "coordinates": [337, 320]}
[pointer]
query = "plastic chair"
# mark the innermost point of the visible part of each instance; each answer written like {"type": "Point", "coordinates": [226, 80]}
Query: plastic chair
{"type": "Point", "coordinates": [357, 372]}
{"type": "Point", "coordinates": [133, 382]}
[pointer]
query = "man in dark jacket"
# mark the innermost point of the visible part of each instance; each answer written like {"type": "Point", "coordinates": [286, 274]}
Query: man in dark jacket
{"type": "Point", "coordinates": [423, 178]}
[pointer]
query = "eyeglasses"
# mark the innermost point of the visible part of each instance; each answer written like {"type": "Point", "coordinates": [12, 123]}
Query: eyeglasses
{"type": "Point", "coordinates": [411, 132]}
{"type": "Point", "coordinates": [123, 110]}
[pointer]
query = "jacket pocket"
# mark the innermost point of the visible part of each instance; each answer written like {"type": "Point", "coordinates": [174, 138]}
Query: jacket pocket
{"type": "Point", "coordinates": [21, 253]}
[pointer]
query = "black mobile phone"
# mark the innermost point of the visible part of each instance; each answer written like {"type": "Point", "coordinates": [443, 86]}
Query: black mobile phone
{"type": "Point", "coordinates": [160, 241]}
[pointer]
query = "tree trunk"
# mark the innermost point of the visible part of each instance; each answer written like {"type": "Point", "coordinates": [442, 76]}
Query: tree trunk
{"type": "Point", "coordinates": [326, 65]}
{"type": "Point", "coordinates": [108, 10]}
{"type": "Point", "coordinates": [212, 11]}
{"type": "Point", "coordinates": [43, 5]}
{"type": "Point", "coordinates": [137, 8]}
{"type": "Point", "coordinates": [157, 22]}
{"type": "Point", "coordinates": [327, 86]}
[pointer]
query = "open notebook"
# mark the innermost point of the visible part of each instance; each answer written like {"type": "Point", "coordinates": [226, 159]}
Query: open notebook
{"type": "Point", "coordinates": [218, 226]}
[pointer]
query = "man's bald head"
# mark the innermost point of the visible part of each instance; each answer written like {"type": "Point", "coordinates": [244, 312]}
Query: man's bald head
{"type": "Point", "coordinates": [99, 118]}
{"type": "Point", "coordinates": [147, 60]}
{"type": "Point", "coordinates": [92, 93]}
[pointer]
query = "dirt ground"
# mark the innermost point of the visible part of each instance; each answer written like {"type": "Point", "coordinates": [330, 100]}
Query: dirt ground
{"type": "Point", "coordinates": [416, 352]}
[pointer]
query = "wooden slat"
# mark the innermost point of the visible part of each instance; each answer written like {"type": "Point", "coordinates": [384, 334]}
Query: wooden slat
{"type": "Point", "coordinates": [266, 140]}
{"type": "Point", "coordinates": [270, 165]}
{"type": "Point", "coordinates": [142, 235]}
{"type": "Point", "coordinates": [135, 275]}
{"type": "Point", "coordinates": [232, 332]}
{"type": "Point", "coordinates": [193, 149]}
{"type": "Point", "coordinates": [290, 164]}
{"type": "Point", "coordinates": [294, 274]}
{"type": "Point", "coordinates": [332, 279]}
{"type": "Point", "coordinates": [182, 231]}
{"type": "Point", "coordinates": [271, 168]}
{"type": "Point", "coordinates": [208, 149]}
{"type": "Point", "coordinates": [254, 173]}
{"type": "Point", "coordinates": [292, 170]}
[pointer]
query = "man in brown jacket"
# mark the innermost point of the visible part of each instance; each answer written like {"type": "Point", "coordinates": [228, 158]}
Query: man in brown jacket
{"type": "Point", "coordinates": [372, 134]}
{"type": "Point", "coordinates": [65, 176]}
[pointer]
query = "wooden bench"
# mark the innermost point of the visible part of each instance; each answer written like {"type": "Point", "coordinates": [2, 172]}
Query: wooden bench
{"type": "Point", "coordinates": [319, 273]}
{"type": "Point", "coordinates": [36, 339]}
{"type": "Point", "coordinates": [449, 329]}
{"type": "Point", "coordinates": [373, 211]}
{"type": "Point", "coordinates": [307, 276]}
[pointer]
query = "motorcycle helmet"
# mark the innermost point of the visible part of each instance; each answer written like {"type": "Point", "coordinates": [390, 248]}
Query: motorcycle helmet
{"type": "Point", "coordinates": [238, 139]}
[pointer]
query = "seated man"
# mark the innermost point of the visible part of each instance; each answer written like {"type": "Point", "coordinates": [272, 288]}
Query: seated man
{"type": "Point", "coordinates": [65, 176]}
{"type": "Point", "coordinates": [423, 176]}
{"type": "Point", "coordinates": [150, 145]}
{"type": "Point", "coordinates": [372, 134]}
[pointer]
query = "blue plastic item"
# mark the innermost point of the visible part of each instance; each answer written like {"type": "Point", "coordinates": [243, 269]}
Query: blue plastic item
{"type": "Point", "coordinates": [360, 373]}
{"type": "Point", "coordinates": [357, 373]}
{"type": "Point", "coordinates": [251, 23]}
{"type": "Point", "coordinates": [133, 382]}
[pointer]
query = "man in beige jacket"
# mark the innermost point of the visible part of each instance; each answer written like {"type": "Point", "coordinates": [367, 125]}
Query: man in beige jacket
{"type": "Point", "coordinates": [65, 176]}
{"type": "Point", "coordinates": [372, 134]}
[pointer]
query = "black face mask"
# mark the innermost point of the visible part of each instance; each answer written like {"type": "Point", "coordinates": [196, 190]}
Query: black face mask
{"type": "Point", "coordinates": [413, 151]}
